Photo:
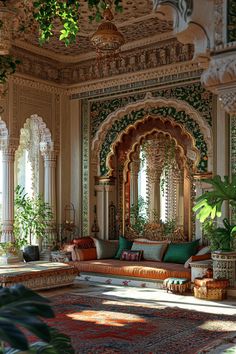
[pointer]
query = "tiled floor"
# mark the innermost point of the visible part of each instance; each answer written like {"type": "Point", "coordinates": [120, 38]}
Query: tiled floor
{"type": "Point", "coordinates": [159, 297]}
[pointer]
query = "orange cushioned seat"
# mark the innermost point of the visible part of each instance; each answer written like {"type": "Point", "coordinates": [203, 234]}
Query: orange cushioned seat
{"type": "Point", "coordinates": [143, 269]}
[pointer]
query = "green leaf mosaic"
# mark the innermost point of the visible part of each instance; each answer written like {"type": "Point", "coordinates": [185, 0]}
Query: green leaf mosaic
{"type": "Point", "coordinates": [194, 94]}
{"type": "Point", "coordinates": [170, 112]}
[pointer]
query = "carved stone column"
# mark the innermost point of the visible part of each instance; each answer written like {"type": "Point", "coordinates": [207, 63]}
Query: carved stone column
{"type": "Point", "coordinates": [155, 198]}
{"type": "Point", "coordinates": [50, 159]}
{"type": "Point", "coordinates": [220, 78]}
{"type": "Point", "coordinates": [135, 165]}
{"type": "Point", "coordinates": [8, 157]}
{"type": "Point", "coordinates": [105, 188]}
{"type": "Point", "coordinates": [180, 200]}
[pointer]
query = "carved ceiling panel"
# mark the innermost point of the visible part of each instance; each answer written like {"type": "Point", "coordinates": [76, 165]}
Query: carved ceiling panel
{"type": "Point", "coordinates": [137, 21]}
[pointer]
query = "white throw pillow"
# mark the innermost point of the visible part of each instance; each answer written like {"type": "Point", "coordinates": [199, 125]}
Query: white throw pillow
{"type": "Point", "coordinates": [203, 250]}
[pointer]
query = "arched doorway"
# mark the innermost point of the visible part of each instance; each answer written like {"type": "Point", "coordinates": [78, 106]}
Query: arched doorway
{"type": "Point", "coordinates": [123, 133]}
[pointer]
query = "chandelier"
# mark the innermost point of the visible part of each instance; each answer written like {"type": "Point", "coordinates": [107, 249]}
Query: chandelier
{"type": "Point", "coordinates": [107, 39]}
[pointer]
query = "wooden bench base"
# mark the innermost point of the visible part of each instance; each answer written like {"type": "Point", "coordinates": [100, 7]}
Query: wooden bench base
{"type": "Point", "coordinates": [38, 275]}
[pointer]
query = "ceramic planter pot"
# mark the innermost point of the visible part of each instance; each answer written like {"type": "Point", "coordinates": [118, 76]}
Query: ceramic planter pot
{"type": "Point", "coordinates": [31, 253]}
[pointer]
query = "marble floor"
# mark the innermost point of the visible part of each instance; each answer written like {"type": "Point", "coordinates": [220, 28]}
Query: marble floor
{"type": "Point", "coordinates": [158, 297]}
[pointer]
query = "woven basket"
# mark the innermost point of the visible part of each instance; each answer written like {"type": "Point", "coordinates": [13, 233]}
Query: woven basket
{"type": "Point", "coordinates": [202, 292]}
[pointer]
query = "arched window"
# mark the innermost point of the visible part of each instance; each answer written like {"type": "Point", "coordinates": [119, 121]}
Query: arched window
{"type": "Point", "coordinates": [24, 173]}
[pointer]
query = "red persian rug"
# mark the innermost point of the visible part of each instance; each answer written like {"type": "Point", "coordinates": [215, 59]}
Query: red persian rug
{"type": "Point", "coordinates": [98, 325]}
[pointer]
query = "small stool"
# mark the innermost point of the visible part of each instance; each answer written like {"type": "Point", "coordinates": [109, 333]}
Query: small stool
{"type": "Point", "coordinates": [177, 285]}
{"type": "Point", "coordinates": [210, 289]}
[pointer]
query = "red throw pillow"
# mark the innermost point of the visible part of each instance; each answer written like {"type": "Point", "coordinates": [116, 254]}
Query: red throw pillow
{"type": "Point", "coordinates": [84, 242]}
{"type": "Point", "coordinates": [129, 255]}
{"type": "Point", "coordinates": [85, 254]}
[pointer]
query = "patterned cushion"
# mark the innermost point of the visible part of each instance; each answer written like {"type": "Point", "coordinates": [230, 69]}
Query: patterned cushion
{"type": "Point", "coordinates": [84, 242]}
{"type": "Point", "coordinates": [84, 254]}
{"type": "Point", "coordinates": [105, 249]}
{"type": "Point", "coordinates": [151, 251]}
{"type": "Point", "coordinates": [124, 244]}
{"type": "Point", "coordinates": [128, 255]}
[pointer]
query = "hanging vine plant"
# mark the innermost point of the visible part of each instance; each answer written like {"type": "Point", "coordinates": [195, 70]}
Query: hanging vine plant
{"type": "Point", "coordinates": [51, 14]}
{"type": "Point", "coordinates": [8, 66]}
{"type": "Point", "coordinates": [167, 164]}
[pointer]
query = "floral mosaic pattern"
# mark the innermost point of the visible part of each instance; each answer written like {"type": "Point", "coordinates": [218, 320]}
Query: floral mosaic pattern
{"type": "Point", "coordinates": [194, 94]}
{"type": "Point", "coordinates": [231, 21]}
{"type": "Point", "coordinates": [85, 169]}
{"type": "Point", "coordinates": [170, 112]}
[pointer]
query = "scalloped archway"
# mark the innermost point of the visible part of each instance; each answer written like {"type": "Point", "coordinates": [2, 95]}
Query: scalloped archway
{"type": "Point", "coordinates": [170, 110]}
{"type": "Point", "coordinates": [132, 136]}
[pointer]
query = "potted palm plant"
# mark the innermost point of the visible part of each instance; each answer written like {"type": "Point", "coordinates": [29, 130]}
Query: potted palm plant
{"type": "Point", "coordinates": [208, 208]}
{"type": "Point", "coordinates": [32, 216]}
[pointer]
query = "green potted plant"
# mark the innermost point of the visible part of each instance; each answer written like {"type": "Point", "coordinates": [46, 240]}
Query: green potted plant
{"type": "Point", "coordinates": [208, 209]}
{"type": "Point", "coordinates": [32, 216]}
{"type": "Point", "coordinates": [10, 250]}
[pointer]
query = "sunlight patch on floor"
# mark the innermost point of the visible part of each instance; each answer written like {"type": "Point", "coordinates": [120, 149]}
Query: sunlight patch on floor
{"type": "Point", "coordinates": [106, 318]}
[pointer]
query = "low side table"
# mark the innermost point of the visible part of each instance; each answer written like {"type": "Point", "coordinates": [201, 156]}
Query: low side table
{"type": "Point", "coordinates": [198, 269]}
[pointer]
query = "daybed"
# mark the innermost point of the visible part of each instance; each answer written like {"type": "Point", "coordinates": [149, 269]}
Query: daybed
{"type": "Point", "coordinates": [107, 267]}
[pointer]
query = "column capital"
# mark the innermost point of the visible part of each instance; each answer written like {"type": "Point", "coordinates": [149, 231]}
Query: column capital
{"type": "Point", "coordinates": [220, 78]}
{"type": "Point", "coordinates": [9, 147]}
{"type": "Point", "coordinates": [228, 99]}
{"type": "Point", "coordinates": [104, 180]}
{"type": "Point", "coordinates": [47, 149]}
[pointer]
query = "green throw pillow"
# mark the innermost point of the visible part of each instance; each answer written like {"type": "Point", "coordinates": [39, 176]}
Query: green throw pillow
{"type": "Point", "coordinates": [124, 244]}
{"type": "Point", "coordinates": [180, 252]}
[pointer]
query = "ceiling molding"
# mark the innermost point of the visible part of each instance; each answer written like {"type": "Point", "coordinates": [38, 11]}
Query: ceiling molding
{"type": "Point", "coordinates": [72, 59]}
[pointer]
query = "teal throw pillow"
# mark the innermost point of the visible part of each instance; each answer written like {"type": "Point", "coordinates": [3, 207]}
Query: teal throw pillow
{"type": "Point", "coordinates": [180, 252]}
{"type": "Point", "coordinates": [124, 244]}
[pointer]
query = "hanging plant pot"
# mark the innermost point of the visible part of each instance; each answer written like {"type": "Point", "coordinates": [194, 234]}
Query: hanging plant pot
{"type": "Point", "coordinates": [6, 29]}
{"type": "Point", "coordinates": [31, 253]}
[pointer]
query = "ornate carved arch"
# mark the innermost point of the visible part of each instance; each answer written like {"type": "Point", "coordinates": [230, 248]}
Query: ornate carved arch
{"type": "Point", "coordinates": [133, 135]}
{"type": "Point", "coordinates": [170, 109]}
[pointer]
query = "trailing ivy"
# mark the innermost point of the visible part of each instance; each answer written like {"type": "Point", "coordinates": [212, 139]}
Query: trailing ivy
{"type": "Point", "coordinates": [50, 14]}
{"type": "Point", "coordinates": [8, 66]}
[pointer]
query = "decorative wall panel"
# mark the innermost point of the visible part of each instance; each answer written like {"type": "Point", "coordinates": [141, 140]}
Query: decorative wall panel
{"type": "Point", "coordinates": [194, 94]}
{"type": "Point", "coordinates": [170, 113]}
{"type": "Point", "coordinates": [85, 167]}
{"type": "Point", "coordinates": [231, 21]}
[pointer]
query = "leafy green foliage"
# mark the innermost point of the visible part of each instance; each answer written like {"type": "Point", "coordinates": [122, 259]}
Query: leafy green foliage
{"type": "Point", "coordinates": [9, 248]}
{"type": "Point", "coordinates": [138, 215]}
{"type": "Point", "coordinates": [51, 13]}
{"type": "Point", "coordinates": [8, 66]}
{"type": "Point", "coordinates": [32, 217]}
{"type": "Point", "coordinates": [169, 227]}
{"type": "Point", "coordinates": [220, 238]}
{"type": "Point", "coordinates": [22, 308]}
{"type": "Point", "coordinates": [209, 204]}
{"type": "Point", "coordinates": [208, 208]}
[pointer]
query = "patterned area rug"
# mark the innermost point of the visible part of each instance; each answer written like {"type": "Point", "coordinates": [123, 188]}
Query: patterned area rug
{"type": "Point", "coordinates": [98, 325]}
